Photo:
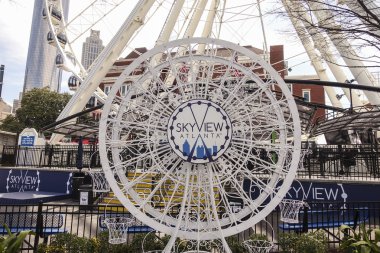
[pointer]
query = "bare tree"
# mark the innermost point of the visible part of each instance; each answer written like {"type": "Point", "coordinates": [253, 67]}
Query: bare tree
{"type": "Point", "coordinates": [352, 25]}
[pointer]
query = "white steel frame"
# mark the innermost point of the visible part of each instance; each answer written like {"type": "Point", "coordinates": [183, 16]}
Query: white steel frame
{"type": "Point", "coordinates": [133, 144]}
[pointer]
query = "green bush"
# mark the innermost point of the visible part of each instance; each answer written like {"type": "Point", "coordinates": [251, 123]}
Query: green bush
{"type": "Point", "coordinates": [151, 242]}
{"type": "Point", "coordinates": [360, 242]}
{"type": "Point", "coordinates": [312, 242]}
{"type": "Point", "coordinates": [106, 247]}
{"type": "Point", "coordinates": [235, 245]}
{"type": "Point", "coordinates": [69, 243]}
{"type": "Point", "coordinates": [258, 237]}
{"type": "Point", "coordinates": [12, 242]}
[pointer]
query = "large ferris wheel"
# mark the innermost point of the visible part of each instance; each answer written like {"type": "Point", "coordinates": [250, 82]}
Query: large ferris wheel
{"type": "Point", "coordinates": [164, 20]}
{"type": "Point", "coordinates": [199, 114]}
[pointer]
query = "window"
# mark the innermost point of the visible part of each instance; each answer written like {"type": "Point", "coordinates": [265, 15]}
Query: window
{"type": "Point", "coordinates": [290, 86]}
{"type": "Point", "coordinates": [306, 94]}
{"type": "Point", "coordinates": [123, 90]}
{"type": "Point", "coordinates": [107, 89]}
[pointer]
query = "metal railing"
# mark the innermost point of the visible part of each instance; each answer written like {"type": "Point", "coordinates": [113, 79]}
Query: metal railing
{"type": "Point", "coordinates": [348, 161]}
{"type": "Point", "coordinates": [50, 156]}
{"type": "Point", "coordinates": [358, 162]}
{"type": "Point", "coordinates": [84, 221]}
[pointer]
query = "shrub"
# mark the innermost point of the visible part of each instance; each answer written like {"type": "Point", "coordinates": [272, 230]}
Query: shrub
{"type": "Point", "coordinates": [12, 242]}
{"type": "Point", "coordinates": [235, 245]}
{"type": "Point", "coordinates": [312, 242]}
{"type": "Point", "coordinates": [360, 242]}
{"type": "Point", "coordinates": [106, 247]}
{"type": "Point", "coordinates": [69, 243]}
{"type": "Point", "coordinates": [151, 242]}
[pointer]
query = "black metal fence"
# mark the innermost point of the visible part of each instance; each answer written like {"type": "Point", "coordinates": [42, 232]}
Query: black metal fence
{"type": "Point", "coordinates": [50, 156]}
{"type": "Point", "coordinates": [346, 161]}
{"type": "Point", "coordinates": [349, 161]}
{"type": "Point", "coordinates": [86, 221]}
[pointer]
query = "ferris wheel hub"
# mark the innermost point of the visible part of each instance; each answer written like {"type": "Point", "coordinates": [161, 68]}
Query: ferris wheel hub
{"type": "Point", "coordinates": [199, 131]}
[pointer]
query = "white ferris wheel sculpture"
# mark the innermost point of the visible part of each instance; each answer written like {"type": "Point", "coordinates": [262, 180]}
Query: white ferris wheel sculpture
{"type": "Point", "coordinates": [206, 123]}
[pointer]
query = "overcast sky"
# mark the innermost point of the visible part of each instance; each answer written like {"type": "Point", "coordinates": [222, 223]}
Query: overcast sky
{"type": "Point", "coordinates": [15, 24]}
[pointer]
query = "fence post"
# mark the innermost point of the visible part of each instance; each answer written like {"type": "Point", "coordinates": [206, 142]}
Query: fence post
{"type": "Point", "coordinates": [15, 156]}
{"type": "Point", "coordinates": [356, 219]}
{"type": "Point", "coordinates": [39, 227]}
{"type": "Point", "coordinates": [50, 156]}
{"type": "Point", "coordinates": [305, 220]}
{"type": "Point", "coordinates": [2, 154]}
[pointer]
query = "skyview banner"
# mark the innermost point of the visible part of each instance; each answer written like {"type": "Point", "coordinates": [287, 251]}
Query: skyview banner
{"type": "Point", "coordinates": [15, 180]}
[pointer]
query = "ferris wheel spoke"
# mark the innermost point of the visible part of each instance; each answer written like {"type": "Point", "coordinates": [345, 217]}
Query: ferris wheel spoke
{"type": "Point", "coordinates": [124, 143]}
{"type": "Point", "coordinates": [251, 102]}
{"type": "Point", "coordinates": [213, 201]}
{"type": "Point", "coordinates": [224, 197]}
{"type": "Point", "coordinates": [133, 125]}
{"type": "Point", "coordinates": [178, 76]}
{"type": "Point", "coordinates": [184, 200]}
{"type": "Point", "coordinates": [190, 199]}
{"type": "Point", "coordinates": [146, 109]}
{"type": "Point", "coordinates": [154, 117]}
{"type": "Point", "coordinates": [158, 186]}
{"type": "Point", "coordinates": [141, 157]}
{"type": "Point", "coordinates": [89, 17]}
{"type": "Point", "coordinates": [206, 74]}
{"type": "Point", "coordinates": [232, 94]}
{"type": "Point", "coordinates": [258, 144]}
{"type": "Point", "coordinates": [171, 201]}
{"type": "Point", "coordinates": [235, 156]}
{"type": "Point", "coordinates": [257, 127]}
{"type": "Point", "coordinates": [156, 100]}
{"type": "Point", "coordinates": [142, 126]}
{"type": "Point", "coordinates": [246, 144]}
{"type": "Point", "coordinates": [247, 200]}
{"type": "Point", "coordinates": [259, 184]}
{"type": "Point", "coordinates": [261, 165]}
{"type": "Point", "coordinates": [156, 81]}
{"type": "Point", "coordinates": [140, 179]}
{"type": "Point", "coordinates": [270, 107]}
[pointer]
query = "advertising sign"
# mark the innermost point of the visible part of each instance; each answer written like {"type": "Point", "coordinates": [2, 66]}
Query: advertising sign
{"type": "Point", "coordinates": [27, 141]}
{"type": "Point", "coordinates": [322, 191]}
{"type": "Point", "coordinates": [199, 131]}
{"type": "Point", "coordinates": [83, 198]}
{"type": "Point", "coordinates": [14, 180]}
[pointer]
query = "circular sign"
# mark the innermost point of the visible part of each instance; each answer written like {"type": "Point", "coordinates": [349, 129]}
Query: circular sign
{"type": "Point", "coordinates": [199, 131]}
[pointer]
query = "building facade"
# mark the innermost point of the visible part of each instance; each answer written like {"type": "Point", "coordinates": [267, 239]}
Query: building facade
{"type": "Point", "coordinates": [17, 103]}
{"type": "Point", "coordinates": [91, 49]}
{"type": "Point", "coordinates": [40, 70]}
{"type": "Point", "coordinates": [308, 93]}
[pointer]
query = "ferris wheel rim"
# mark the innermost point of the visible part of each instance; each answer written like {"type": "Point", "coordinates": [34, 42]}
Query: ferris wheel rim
{"type": "Point", "coordinates": [118, 191]}
{"type": "Point", "coordinates": [77, 73]}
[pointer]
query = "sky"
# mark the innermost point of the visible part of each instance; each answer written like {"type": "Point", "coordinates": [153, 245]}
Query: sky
{"type": "Point", "coordinates": [16, 18]}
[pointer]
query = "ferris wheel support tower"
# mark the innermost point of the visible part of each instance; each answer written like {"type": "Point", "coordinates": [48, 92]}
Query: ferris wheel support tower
{"type": "Point", "coordinates": [105, 60]}
{"type": "Point", "coordinates": [322, 46]}
{"type": "Point", "coordinates": [370, 5]}
{"type": "Point", "coordinates": [310, 50]}
{"type": "Point", "coordinates": [118, 43]}
{"type": "Point", "coordinates": [209, 21]}
{"type": "Point", "coordinates": [193, 24]}
{"type": "Point", "coordinates": [357, 68]}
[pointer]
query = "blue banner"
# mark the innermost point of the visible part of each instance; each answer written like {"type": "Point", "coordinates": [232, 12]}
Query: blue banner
{"type": "Point", "coordinates": [334, 191]}
{"type": "Point", "coordinates": [319, 191]}
{"type": "Point", "coordinates": [17, 180]}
